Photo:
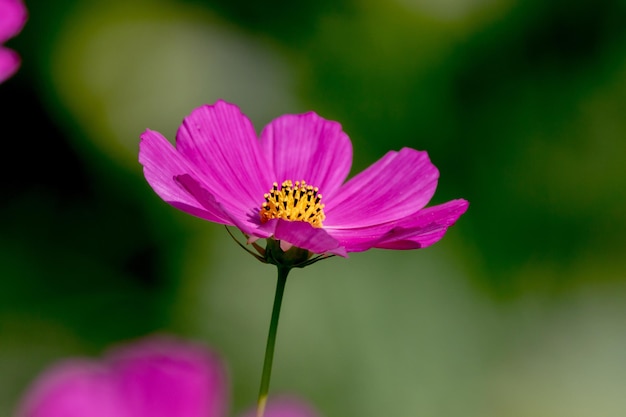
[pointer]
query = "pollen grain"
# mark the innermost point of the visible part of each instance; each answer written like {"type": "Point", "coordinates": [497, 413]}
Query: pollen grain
{"type": "Point", "coordinates": [294, 202]}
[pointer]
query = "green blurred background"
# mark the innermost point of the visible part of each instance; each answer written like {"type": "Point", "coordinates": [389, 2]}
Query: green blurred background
{"type": "Point", "coordinates": [519, 311]}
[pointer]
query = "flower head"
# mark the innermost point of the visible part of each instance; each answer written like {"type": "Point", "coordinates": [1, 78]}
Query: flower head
{"type": "Point", "coordinates": [155, 377]}
{"type": "Point", "coordinates": [12, 18]}
{"type": "Point", "coordinates": [289, 185]}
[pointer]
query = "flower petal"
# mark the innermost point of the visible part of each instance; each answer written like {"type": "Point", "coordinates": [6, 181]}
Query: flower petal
{"type": "Point", "coordinates": [424, 228]}
{"type": "Point", "coordinates": [397, 185]}
{"type": "Point", "coordinates": [361, 238]}
{"type": "Point", "coordinates": [162, 164]}
{"type": "Point", "coordinates": [157, 377]}
{"type": "Point", "coordinates": [9, 63]}
{"type": "Point", "coordinates": [13, 15]}
{"type": "Point", "coordinates": [247, 222]}
{"type": "Point", "coordinates": [221, 141]}
{"type": "Point", "coordinates": [416, 231]}
{"type": "Point", "coordinates": [310, 148]}
{"type": "Point", "coordinates": [76, 388]}
{"type": "Point", "coordinates": [303, 235]}
{"type": "Point", "coordinates": [163, 378]}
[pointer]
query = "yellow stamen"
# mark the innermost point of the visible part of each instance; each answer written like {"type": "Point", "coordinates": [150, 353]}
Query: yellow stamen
{"type": "Point", "coordinates": [293, 202]}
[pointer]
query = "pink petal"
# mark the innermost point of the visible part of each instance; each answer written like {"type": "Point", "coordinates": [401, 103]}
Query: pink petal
{"type": "Point", "coordinates": [9, 63]}
{"type": "Point", "coordinates": [221, 141]}
{"type": "Point", "coordinates": [165, 378]}
{"type": "Point", "coordinates": [285, 407]}
{"type": "Point", "coordinates": [397, 185]}
{"type": "Point", "coordinates": [361, 238]}
{"type": "Point", "coordinates": [13, 15]}
{"type": "Point", "coordinates": [416, 231]}
{"type": "Point", "coordinates": [303, 235]}
{"type": "Point", "coordinates": [77, 388]}
{"type": "Point", "coordinates": [248, 222]}
{"type": "Point", "coordinates": [162, 164]}
{"type": "Point", "coordinates": [424, 228]}
{"type": "Point", "coordinates": [310, 148]}
{"type": "Point", "coordinates": [154, 378]}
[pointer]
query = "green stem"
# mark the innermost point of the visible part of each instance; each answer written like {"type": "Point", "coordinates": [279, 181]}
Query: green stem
{"type": "Point", "coordinates": [271, 341]}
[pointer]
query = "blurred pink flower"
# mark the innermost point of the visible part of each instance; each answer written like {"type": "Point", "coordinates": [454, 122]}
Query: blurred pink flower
{"type": "Point", "coordinates": [155, 377]}
{"type": "Point", "coordinates": [12, 18]}
{"type": "Point", "coordinates": [272, 187]}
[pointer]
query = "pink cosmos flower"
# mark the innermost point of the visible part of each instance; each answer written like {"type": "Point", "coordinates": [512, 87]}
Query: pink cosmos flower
{"type": "Point", "coordinates": [12, 18]}
{"type": "Point", "coordinates": [155, 377]}
{"type": "Point", "coordinates": [272, 186]}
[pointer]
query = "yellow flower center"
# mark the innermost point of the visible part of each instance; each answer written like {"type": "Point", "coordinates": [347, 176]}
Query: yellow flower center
{"type": "Point", "coordinates": [294, 202]}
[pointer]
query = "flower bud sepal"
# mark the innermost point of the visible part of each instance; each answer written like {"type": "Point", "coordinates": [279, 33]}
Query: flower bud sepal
{"type": "Point", "coordinates": [293, 257]}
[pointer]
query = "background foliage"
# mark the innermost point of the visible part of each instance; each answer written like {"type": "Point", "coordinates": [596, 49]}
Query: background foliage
{"type": "Point", "coordinates": [519, 311]}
